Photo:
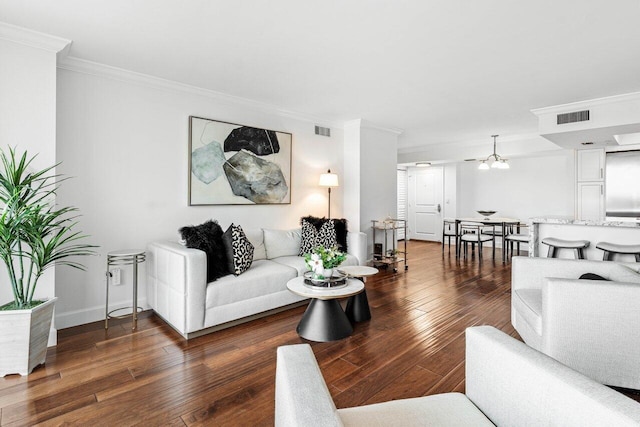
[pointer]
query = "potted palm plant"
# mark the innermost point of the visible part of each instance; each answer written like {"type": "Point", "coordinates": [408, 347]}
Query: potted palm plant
{"type": "Point", "coordinates": [35, 234]}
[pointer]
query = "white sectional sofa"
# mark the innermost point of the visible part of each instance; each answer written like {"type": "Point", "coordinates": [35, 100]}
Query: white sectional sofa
{"type": "Point", "coordinates": [589, 325]}
{"type": "Point", "coordinates": [177, 289]}
{"type": "Point", "coordinates": [507, 384]}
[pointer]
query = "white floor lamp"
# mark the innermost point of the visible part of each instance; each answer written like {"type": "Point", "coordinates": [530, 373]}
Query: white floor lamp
{"type": "Point", "coordinates": [329, 180]}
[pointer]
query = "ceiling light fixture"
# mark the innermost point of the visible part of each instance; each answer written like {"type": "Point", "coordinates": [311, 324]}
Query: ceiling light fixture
{"type": "Point", "coordinates": [494, 161]}
{"type": "Point", "coordinates": [423, 164]}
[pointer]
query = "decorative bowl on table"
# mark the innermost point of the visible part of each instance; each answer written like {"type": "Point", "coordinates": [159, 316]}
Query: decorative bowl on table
{"type": "Point", "coordinates": [337, 280]}
{"type": "Point", "coordinates": [486, 214]}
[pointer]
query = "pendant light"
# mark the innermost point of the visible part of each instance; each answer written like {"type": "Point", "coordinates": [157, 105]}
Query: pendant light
{"type": "Point", "coordinates": [494, 161]}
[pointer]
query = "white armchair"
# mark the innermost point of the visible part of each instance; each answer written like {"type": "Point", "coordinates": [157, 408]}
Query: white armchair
{"type": "Point", "coordinates": [507, 384]}
{"type": "Point", "coordinates": [590, 325]}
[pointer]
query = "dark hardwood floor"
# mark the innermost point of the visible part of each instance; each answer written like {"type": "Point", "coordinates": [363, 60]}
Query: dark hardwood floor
{"type": "Point", "coordinates": [413, 346]}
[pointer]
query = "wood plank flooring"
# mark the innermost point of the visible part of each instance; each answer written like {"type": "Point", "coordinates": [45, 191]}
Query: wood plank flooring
{"type": "Point", "coordinates": [412, 346]}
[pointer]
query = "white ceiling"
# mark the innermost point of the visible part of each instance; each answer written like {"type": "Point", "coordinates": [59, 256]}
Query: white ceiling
{"type": "Point", "coordinates": [444, 71]}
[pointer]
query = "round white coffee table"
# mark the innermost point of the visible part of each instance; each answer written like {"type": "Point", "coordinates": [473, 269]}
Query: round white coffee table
{"type": "Point", "coordinates": [324, 320]}
{"type": "Point", "coordinates": [357, 309]}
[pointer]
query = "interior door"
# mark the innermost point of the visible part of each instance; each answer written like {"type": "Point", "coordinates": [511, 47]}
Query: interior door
{"type": "Point", "coordinates": [425, 203]}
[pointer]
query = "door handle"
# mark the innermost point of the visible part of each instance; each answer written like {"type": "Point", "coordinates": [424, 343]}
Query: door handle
{"type": "Point", "coordinates": [439, 208]}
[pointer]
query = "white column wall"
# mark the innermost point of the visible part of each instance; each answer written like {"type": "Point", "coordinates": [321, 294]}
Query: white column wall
{"type": "Point", "coordinates": [351, 180]}
{"type": "Point", "coordinates": [28, 115]}
{"type": "Point", "coordinates": [378, 176]}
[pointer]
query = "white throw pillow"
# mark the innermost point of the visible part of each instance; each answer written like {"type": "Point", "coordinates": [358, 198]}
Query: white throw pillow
{"type": "Point", "coordinates": [282, 242]}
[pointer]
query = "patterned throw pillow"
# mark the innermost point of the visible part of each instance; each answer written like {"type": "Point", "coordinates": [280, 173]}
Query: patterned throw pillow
{"type": "Point", "coordinates": [239, 250]}
{"type": "Point", "coordinates": [340, 224]}
{"type": "Point", "coordinates": [313, 237]}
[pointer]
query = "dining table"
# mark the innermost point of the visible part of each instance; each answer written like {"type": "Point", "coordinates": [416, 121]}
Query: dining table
{"type": "Point", "coordinates": [503, 223]}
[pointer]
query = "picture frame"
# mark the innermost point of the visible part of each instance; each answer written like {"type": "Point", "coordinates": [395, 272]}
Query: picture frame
{"type": "Point", "coordinates": [234, 164]}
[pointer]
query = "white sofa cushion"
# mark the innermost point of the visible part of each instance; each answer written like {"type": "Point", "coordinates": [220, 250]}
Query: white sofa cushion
{"type": "Point", "coordinates": [263, 278]}
{"type": "Point", "coordinates": [298, 263]}
{"type": "Point", "coordinates": [256, 237]}
{"type": "Point", "coordinates": [449, 409]}
{"type": "Point", "coordinates": [282, 242]}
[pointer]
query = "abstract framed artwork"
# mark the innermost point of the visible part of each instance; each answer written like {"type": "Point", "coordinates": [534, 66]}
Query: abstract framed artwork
{"type": "Point", "coordinates": [232, 164]}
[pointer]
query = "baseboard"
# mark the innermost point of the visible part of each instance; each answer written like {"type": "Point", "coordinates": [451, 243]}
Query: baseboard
{"type": "Point", "coordinates": [93, 314]}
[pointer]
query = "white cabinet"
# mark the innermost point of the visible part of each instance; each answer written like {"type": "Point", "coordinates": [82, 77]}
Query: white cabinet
{"type": "Point", "coordinates": [590, 201]}
{"type": "Point", "coordinates": [590, 165]}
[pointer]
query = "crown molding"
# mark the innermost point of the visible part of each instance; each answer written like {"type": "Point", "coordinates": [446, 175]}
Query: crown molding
{"type": "Point", "coordinates": [83, 66]}
{"type": "Point", "coordinates": [35, 39]}
{"type": "Point", "coordinates": [474, 142]}
{"type": "Point", "coordinates": [579, 105]}
{"type": "Point", "coordinates": [369, 125]}
{"type": "Point", "coordinates": [364, 124]}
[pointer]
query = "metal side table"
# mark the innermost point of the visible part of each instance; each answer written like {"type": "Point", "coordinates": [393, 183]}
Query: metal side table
{"type": "Point", "coordinates": [119, 259]}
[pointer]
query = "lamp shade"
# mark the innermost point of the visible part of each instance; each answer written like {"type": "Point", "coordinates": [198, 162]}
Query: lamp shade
{"type": "Point", "coordinates": [328, 179]}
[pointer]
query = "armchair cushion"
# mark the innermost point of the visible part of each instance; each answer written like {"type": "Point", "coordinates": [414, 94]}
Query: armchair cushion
{"type": "Point", "coordinates": [529, 304]}
{"type": "Point", "coordinates": [448, 409]}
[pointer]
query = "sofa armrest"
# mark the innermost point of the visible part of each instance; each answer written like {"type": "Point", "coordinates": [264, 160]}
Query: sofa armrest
{"type": "Point", "coordinates": [177, 284]}
{"type": "Point", "coordinates": [357, 246]}
{"type": "Point", "coordinates": [592, 326]}
{"type": "Point", "coordinates": [302, 396]}
{"type": "Point", "coordinates": [513, 384]}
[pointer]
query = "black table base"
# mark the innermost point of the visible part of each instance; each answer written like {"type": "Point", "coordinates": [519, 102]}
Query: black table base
{"type": "Point", "coordinates": [357, 309]}
{"type": "Point", "coordinates": [324, 320]}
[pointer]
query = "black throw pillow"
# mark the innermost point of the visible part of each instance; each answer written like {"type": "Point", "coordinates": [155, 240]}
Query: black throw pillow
{"type": "Point", "coordinates": [340, 225]}
{"type": "Point", "coordinates": [208, 238]}
{"type": "Point", "coordinates": [592, 276]}
{"type": "Point", "coordinates": [239, 250]}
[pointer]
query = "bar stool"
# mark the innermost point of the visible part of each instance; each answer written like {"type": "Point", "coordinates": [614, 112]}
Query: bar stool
{"type": "Point", "coordinates": [554, 244]}
{"type": "Point", "coordinates": [613, 248]}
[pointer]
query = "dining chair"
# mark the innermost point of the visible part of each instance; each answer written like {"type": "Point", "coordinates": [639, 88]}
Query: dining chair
{"type": "Point", "coordinates": [448, 231]}
{"type": "Point", "coordinates": [517, 237]}
{"type": "Point", "coordinates": [472, 232]}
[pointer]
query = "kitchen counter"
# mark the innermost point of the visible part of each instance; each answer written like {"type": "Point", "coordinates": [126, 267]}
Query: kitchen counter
{"type": "Point", "coordinates": [621, 232]}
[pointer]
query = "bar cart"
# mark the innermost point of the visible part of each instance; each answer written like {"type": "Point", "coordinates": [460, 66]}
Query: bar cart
{"type": "Point", "coordinates": [387, 254]}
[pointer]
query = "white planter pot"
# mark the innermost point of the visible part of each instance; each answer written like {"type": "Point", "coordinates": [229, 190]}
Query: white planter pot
{"type": "Point", "coordinates": [24, 335]}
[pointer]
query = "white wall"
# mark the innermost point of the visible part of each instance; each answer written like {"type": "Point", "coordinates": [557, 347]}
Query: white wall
{"type": "Point", "coordinates": [533, 186]}
{"type": "Point", "coordinates": [126, 144]}
{"type": "Point", "coordinates": [378, 178]}
{"type": "Point", "coordinates": [351, 182]}
{"type": "Point", "coordinates": [28, 114]}
{"type": "Point", "coordinates": [450, 209]}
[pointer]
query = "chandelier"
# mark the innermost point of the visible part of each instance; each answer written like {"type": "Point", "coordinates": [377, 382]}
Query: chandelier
{"type": "Point", "coordinates": [494, 161]}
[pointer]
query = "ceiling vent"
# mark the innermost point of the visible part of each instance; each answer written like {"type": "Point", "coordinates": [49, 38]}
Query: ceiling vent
{"type": "Point", "coordinates": [323, 131]}
{"type": "Point", "coordinates": [574, 117]}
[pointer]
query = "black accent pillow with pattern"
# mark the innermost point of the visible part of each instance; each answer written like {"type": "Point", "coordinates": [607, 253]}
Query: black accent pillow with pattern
{"type": "Point", "coordinates": [238, 248]}
{"type": "Point", "coordinates": [312, 237]}
{"type": "Point", "coordinates": [339, 224]}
